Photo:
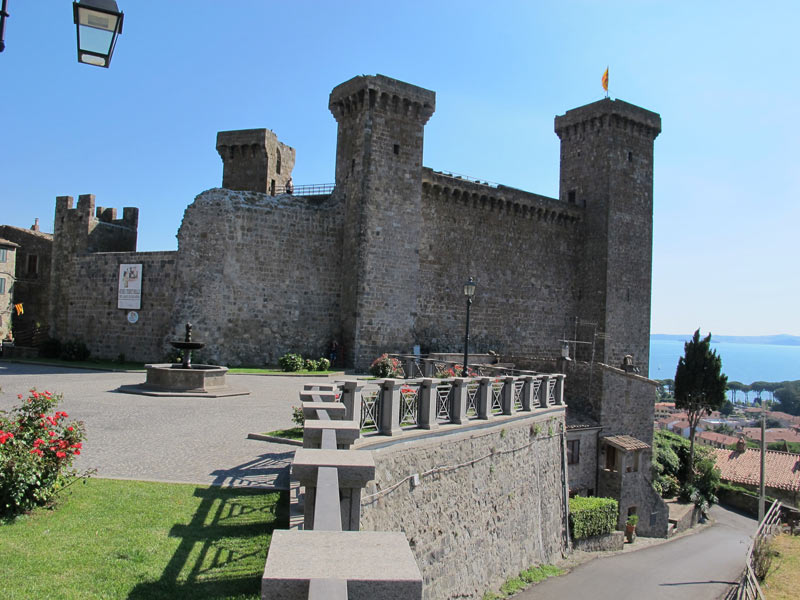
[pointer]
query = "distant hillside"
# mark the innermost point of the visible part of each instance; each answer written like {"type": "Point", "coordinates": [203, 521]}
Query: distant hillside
{"type": "Point", "coordinates": [772, 340]}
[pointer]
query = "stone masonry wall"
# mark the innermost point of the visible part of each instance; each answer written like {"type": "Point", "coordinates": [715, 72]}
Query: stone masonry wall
{"type": "Point", "coordinates": [7, 267]}
{"type": "Point", "coordinates": [259, 276]}
{"type": "Point", "coordinates": [32, 278]}
{"type": "Point", "coordinates": [89, 304]}
{"type": "Point", "coordinates": [520, 247]}
{"type": "Point", "coordinates": [493, 505]}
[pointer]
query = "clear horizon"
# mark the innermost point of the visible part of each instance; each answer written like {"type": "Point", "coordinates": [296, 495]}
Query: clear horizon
{"type": "Point", "coordinates": [720, 74]}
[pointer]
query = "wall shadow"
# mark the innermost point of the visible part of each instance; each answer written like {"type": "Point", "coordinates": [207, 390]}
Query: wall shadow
{"type": "Point", "coordinates": [214, 558]}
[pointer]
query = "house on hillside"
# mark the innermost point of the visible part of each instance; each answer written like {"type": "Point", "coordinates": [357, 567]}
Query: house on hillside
{"type": "Point", "coordinates": [778, 434]}
{"type": "Point", "coordinates": [742, 467]}
{"type": "Point", "coordinates": [715, 440]}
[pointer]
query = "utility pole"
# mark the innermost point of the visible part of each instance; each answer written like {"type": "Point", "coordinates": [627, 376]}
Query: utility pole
{"type": "Point", "coordinates": [761, 497]}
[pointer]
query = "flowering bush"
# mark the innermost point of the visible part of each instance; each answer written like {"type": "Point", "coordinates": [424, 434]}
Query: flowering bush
{"type": "Point", "coordinates": [383, 366]}
{"type": "Point", "coordinates": [291, 362]}
{"type": "Point", "coordinates": [36, 452]}
{"type": "Point", "coordinates": [454, 371]}
{"type": "Point", "coordinates": [323, 364]}
{"type": "Point", "coordinates": [311, 364]}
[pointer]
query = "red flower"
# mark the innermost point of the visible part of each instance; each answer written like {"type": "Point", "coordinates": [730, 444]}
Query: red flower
{"type": "Point", "coordinates": [70, 428]}
{"type": "Point", "coordinates": [61, 454]}
{"type": "Point", "coordinates": [77, 452]}
{"type": "Point", "coordinates": [51, 433]}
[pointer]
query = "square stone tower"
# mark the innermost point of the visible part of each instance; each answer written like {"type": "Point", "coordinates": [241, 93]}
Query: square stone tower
{"type": "Point", "coordinates": [379, 176]}
{"type": "Point", "coordinates": [607, 167]}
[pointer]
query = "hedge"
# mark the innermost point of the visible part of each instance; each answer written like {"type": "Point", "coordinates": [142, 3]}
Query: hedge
{"type": "Point", "coordinates": [592, 516]}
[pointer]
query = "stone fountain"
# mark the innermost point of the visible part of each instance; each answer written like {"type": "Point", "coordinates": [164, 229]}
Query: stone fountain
{"type": "Point", "coordinates": [184, 378]}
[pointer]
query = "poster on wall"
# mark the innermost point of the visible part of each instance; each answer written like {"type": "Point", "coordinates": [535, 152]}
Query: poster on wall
{"type": "Point", "coordinates": [130, 287]}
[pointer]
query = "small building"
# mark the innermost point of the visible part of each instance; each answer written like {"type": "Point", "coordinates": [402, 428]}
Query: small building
{"type": "Point", "coordinates": [781, 474]}
{"type": "Point", "coordinates": [8, 261]}
{"type": "Point", "coordinates": [715, 440]}
{"type": "Point", "coordinates": [777, 434]}
{"type": "Point", "coordinates": [664, 409]}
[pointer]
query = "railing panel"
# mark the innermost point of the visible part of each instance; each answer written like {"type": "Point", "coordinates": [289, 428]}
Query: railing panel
{"type": "Point", "coordinates": [518, 385]}
{"type": "Point", "coordinates": [472, 399]}
{"type": "Point", "coordinates": [409, 405]}
{"type": "Point", "coordinates": [443, 401]}
{"type": "Point", "coordinates": [370, 410]}
{"type": "Point", "coordinates": [497, 396]}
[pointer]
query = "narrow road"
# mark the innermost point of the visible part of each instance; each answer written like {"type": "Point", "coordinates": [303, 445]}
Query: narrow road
{"type": "Point", "coordinates": [700, 566]}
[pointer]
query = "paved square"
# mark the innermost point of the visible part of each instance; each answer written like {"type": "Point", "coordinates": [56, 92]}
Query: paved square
{"type": "Point", "coordinates": [191, 440]}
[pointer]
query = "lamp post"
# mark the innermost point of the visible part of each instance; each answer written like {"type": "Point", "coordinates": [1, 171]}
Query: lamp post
{"type": "Point", "coordinates": [3, 15]}
{"type": "Point", "coordinates": [98, 24]}
{"type": "Point", "coordinates": [469, 292]}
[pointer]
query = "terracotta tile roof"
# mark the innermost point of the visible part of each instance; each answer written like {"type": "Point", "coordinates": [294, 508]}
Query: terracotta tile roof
{"type": "Point", "coordinates": [626, 442]}
{"type": "Point", "coordinates": [665, 405]}
{"type": "Point", "coordinates": [778, 434]}
{"type": "Point", "coordinates": [782, 468]}
{"type": "Point", "coordinates": [4, 242]}
{"type": "Point", "coordinates": [720, 438]}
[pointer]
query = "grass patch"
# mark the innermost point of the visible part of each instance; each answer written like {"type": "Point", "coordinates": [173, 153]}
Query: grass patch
{"type": "Point", "coordinates": [92, 363]}
{"type": "Point", "coordinates": [295, 433]}
{"type": "Point", "coordinates": [783, 579]}
{"type": "Point", "coordinates": [527, 577]}
{"type": "Point", "coordinates": [142, 540]}
{"type": "Point", "coordinates": [259, 371]}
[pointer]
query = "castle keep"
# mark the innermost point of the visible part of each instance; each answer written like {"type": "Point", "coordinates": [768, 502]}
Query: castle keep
{"type": "Point", "coordinates": [379, 263]}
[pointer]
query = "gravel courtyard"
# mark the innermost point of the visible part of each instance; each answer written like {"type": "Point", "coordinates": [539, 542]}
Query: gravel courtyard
{"type": "Point", "coordinates": [188, 440]}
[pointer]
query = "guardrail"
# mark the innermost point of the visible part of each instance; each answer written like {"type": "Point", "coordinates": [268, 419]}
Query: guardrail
{"type": "Point", "coordinates": [314, 189]}
{"type": "Point", "coordinates": [748, 588]}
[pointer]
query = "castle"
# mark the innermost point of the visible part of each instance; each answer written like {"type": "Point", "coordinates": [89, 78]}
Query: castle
{"type": "Point", "coordinates": [379, 263]}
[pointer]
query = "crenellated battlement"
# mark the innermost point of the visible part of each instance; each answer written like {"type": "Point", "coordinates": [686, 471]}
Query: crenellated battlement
{"type": "Point", "coordinates": [384, 94]}
{"type": "Point", "coordinates": [608, 114]}
{"type": "Point", "coordinates": [87, 228]}
{"type": "Point", "coordinates": [500, 198]}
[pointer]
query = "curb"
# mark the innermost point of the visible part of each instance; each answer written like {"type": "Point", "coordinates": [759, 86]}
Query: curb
{"type": "Point", "coordinates": [270, 438]}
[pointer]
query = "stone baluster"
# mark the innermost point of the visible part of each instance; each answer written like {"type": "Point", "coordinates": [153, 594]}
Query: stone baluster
{"type": "Point", "coordinates": [543, 391]}
{"type": "Point", "coordinates": [428, 367]}
{"type": "Point", "coordinates": [559, 391]}
{"type": "Point", "coordinates": [458, 401]}
{"type": "Point", "coordinates": [390, 407]}
{"type": "Point", "coordinates": [408, 367]}
{"type": "Point", "coordinates": [351, 398]}
{"type": "Point", "coordinates": [426, 418]}
{"type": "Point", "coordinates": [507, 395]}
{"type": "Point", "coordinates": [527, 393]}
{"type": "Point", "coordinates": [485, 398]}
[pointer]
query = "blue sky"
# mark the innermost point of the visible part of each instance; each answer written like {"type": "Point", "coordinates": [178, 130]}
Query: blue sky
{"type": "Point", "coordinates": [723, 76]}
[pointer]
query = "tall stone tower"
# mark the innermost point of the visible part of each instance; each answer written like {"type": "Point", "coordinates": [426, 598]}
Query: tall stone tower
{"type": "Point", "coordinates": [379, 178]}
{"type": "Point", "coordinates": [254, 160]}
{"type": "Point", "coordinates": [607, 167]}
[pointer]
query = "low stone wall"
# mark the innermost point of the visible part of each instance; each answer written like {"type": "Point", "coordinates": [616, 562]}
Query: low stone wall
{"type": "Point", "coordinates": [477, 503]}
{"type": "Point", "coordinates": [599, 543]}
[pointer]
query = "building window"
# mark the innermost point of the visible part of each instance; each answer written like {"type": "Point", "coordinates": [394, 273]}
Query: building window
{"type": "Point", "coordinates": [573, 452]}
{"type": "Point", "coordinates": [611, 458]}
{"type": "Point", "coordinates": [278, 163]}
{"type": "Point", "coordinates": [397, 148]}
{"type": "Point", "coordinates": [630, 156]}
{"type": "Point", "coordinates": [3, 255]}
{"type": "Point", "coordinates": [2, 285]}
{"type": "Point", "coordinates": [571, 196]}
{"type": "Point", "coordinates": [33, 264]}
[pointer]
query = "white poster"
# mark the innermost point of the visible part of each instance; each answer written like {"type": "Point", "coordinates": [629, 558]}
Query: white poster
{"type": "Point", "coordinates": [130, 287]}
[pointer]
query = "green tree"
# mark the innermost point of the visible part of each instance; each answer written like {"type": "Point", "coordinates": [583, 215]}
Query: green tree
{"type": "Point", "coordinates": [727, 408]}
{"type": "Point", "coordinates": [734, 387]}
{"type": "Point", "coordinates": [699, 385]}
{"type": "Point", "coordinates": [788, 395]}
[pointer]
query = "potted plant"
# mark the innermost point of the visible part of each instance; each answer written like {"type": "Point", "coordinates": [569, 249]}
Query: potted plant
{"type": "Point", "coordinates": [630, 528]}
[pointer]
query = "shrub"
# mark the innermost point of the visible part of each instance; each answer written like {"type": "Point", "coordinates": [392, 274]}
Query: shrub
{"type": "Point", "coordinates": [384, 366]}
{"type": "Point", "coordinates": [291, 362]}
{"type": "Point", "coordinates": [323, 364]}
{"type": "Point", "coordinates": [36, 452]}
{"type": "Point", "coordinates": [633, 520]}
{"type": "Point", "coordinates": [50, 348]}
{"type": "Point", "coordinates": [592, 516]}
{"type": "Point", "coordinates": [310, 364]}
{"type": "Point", "coordinates": [298, 418]}
{"type": "Point", "coordinates": [74, 350]}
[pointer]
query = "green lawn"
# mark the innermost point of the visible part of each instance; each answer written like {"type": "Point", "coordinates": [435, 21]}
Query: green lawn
{"type": "Point", "coordinates": [140, 540]}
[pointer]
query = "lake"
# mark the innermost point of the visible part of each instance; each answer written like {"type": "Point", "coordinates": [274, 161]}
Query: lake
{"type": "Point", "coordinates": [740, 362]}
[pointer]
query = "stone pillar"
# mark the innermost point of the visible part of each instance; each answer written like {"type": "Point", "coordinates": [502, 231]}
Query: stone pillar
{"type": "Point", "coordinates": [428, 367]}
{"type": "Point", "coordinates": [559, 391]}
{"type": "Point", "coordinates": [351, 398]}
{"type": "Point", "coordinates": [426, 418]}
{"type": "Point", "coordinates": [527, 392]}
{"type": "Point", "coordinates": [390, 408]}
{"type": "Point", "coordinates": [485, 398]}
{"type": "Point", "coordinates": [458, 401]}
{"type": "Point", "coordinates": [507, 396]}
{"type": "Point", "coordinates": [408, 367]}
{"type": "Point", "coordinates": [543, 391]}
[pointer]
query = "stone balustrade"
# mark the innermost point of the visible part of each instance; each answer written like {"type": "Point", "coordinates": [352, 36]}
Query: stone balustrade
{"type": "Point", "coordinates": [329, 558]}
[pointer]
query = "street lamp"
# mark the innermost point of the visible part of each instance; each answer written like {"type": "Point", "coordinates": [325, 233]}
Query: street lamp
{"type": "Point", "coordinates": [469, 292]}
{"type": "Point", "coordinates": [98, 22]}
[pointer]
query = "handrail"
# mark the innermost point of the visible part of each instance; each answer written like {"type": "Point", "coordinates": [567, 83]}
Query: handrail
{"type": "Point", "coordinates": [312, 189]}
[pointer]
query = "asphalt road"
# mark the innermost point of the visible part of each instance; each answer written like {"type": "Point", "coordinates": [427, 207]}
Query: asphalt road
{"type": "Point", "coordinates": [188, 440]}
{"type": "Point", "coordinates": [699, 566]}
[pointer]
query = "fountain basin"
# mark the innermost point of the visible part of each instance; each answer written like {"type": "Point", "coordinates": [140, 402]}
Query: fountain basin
{"type": "Point", "coordinates": [172, 379]}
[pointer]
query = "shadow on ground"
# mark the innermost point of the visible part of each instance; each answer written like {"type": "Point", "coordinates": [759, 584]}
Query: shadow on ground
{"type": "Point", "coordinates": [223, 549]}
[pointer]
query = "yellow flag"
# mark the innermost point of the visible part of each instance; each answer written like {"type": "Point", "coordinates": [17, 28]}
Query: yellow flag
{"type": "Point", "coordinates": [605, 80]}
{"type": "Point", "coordinates": [19, 308]}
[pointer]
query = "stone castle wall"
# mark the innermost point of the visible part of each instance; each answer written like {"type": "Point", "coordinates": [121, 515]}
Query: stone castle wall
{"type": "Point", "coordinates": [259, 276]}
{"type": "Point", "coordinates": [32, 278]}
{"type": "Point", "coordinates": [494, 493]}
{"type": "Point", "coordinates": [89, 305]}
